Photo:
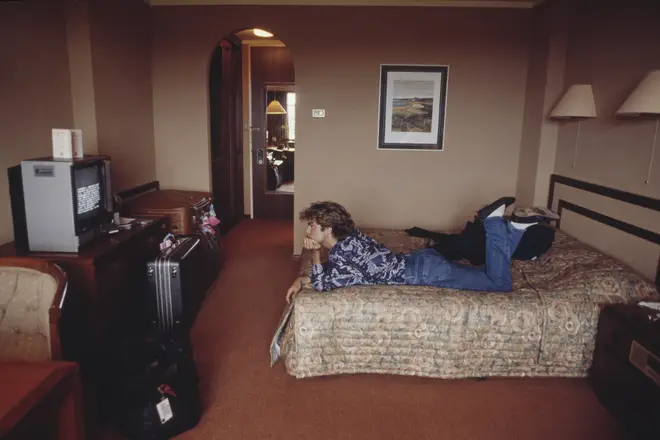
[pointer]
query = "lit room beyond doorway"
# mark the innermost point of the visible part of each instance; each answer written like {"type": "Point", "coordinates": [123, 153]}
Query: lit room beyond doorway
{"type": "Point", "coordinates": [280, 137]}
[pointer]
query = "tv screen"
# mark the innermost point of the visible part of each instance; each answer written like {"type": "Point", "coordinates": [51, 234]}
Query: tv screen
{"type": "Point", "coordinates": [88, 181]}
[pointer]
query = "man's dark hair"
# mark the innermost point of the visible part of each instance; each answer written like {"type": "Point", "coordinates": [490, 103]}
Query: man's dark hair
{"type": "Point", "coordinates": [330, 215]}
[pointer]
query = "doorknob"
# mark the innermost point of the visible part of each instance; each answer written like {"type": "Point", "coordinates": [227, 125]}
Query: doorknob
{"type": "Point", "coordinates": [260, 157]}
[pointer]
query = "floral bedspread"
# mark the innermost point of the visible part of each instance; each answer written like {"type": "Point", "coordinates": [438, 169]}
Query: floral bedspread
{"type": "Point", "coordinates": [545, 327]}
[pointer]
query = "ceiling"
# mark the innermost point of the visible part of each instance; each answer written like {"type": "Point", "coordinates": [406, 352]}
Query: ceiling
{"type": "Point", "coordinates": [425, 3]}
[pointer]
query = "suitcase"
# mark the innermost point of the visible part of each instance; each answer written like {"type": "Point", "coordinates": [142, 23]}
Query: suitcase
{"type": "Point", "coordinates": [184, 208]}
{"type": "Point", "coordinates": [177, 283]}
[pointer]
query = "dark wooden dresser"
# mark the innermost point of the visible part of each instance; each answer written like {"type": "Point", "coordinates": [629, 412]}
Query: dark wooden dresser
{"type": "Point", "coordinates": [626, 368]}
{"type": "Point", "coordinates": [105, 281]}
{"type": "Point", "coordinates": [105, 301]}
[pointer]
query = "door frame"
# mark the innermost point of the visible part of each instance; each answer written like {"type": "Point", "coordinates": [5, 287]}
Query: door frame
{"type": "Point", "coordinates": [268, 68]}
{"type": "Point", "coordinates": [226, 132]}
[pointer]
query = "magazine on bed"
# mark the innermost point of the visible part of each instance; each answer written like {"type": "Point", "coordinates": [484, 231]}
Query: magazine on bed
{"type": "Point", "coordinates": [275, 344]}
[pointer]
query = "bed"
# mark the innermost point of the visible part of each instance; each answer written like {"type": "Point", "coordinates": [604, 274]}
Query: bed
{"type": "Point", "coordinates": [545, 328]}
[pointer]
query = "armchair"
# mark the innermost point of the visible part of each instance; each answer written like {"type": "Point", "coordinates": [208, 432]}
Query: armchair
{"type": "Point", "coordinates": [31, 296]}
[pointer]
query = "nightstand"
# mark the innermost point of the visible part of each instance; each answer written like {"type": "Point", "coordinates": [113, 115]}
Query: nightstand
{"type": "Point", "coordinates": [625, 373]}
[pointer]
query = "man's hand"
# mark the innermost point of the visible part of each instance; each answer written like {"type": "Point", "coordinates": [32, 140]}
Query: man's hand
{"type": "Point", "coordinates": [310, 244]}
{"type": "Point", "coordinates": [296, 287]}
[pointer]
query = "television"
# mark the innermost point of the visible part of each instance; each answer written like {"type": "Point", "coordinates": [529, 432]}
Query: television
{"type": "Point", "coordinates": [60, 205]}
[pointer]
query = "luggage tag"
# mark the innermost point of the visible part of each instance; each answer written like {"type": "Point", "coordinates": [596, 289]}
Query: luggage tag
{"type": "Point", "coordinates": [213, 221]}
{"type": "Point", "coordinates": [164, 410]}
{"type": "Point", "coordinates": [167, 242]}
{"type": "Point", "coordinates": [163, 407]}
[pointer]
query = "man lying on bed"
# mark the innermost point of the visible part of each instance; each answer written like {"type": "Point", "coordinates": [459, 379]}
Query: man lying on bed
{"type": "Point", "coordinates": [355, 259]}
{"type": "Point", "coordinates": [470, 243]}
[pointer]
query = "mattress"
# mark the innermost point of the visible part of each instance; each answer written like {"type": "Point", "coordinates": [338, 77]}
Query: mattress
{"type": "Point", "coordinates": [545, 327]}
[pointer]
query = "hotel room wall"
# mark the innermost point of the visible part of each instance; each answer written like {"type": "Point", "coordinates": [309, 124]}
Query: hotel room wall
{"type": "Point", "coordinates": [337, 69]}
{"type": "Point", "coordinates": [35, 91]}
{"type": "Point", "coordinates": [612, 47]}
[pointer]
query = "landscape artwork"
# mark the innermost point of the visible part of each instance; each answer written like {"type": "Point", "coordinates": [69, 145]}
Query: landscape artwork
{"type": "Point", "coordinates": [412, 109]}
{"type": "Point", "coordinates": [412, 106]}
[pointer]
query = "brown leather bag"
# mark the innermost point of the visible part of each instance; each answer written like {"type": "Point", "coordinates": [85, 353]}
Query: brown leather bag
{"type": "Point", "coordinates": [184, 208]}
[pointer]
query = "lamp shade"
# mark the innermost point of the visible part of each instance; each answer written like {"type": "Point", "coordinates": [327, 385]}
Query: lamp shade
{"type": "Point", "coordinates": [275, 108]}
{"type": "Point", "coordinates": [577, 102]}
{"type": "Point", "coordinates": [645, 99]}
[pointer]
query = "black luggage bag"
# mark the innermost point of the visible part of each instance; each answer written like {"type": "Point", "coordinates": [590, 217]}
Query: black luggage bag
{"type": "Point", "coordinates": [156, 395]}
{"type": "Point", "coordinates": [177, 283]}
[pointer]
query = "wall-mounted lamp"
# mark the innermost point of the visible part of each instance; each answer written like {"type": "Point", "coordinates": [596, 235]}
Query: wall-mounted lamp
{"type": "Point", "coordinates": [275, 108]}
{"type": "Point", "coordinates": [645, 101]}
{"type": "Point", "coordinates": [577, 103]}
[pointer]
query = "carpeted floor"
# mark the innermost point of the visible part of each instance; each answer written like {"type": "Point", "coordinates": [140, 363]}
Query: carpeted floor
{"type": "Point", "coordinates": [245, 399]}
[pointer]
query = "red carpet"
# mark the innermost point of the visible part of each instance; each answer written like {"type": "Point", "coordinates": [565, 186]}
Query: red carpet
{"type": "Point", "coordinates": [245, 399]}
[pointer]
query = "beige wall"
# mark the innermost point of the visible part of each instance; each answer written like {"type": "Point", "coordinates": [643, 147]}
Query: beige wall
{"type": "Point", "coordinates": [545, 84]}
{"type": "Point", "coordinates": [82, 75]}
{"type": "Point", "coordinates": [121, 62]}
{"type": "Point", "coordinates": [338, 70]}
{"type": "Point", "coordinates": [35, 92]}
{"type": "Point", "coordinates": [496, 125]}
{"type": "Point", "coordinates": [73, 64]}
{"type": "Point", "coordinates": [612, 47]}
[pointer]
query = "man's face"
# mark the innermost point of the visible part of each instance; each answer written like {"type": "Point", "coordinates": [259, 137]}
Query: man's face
{"type": "Point", "coordinates": [315, 231]}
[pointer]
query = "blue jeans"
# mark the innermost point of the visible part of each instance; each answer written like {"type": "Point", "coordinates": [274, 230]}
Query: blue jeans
{"type": "Point", "coordinates": [426, 267]}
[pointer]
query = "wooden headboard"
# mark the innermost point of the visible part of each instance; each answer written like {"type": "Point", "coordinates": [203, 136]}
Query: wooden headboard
{"type": "Point", "coordinates": [634, 199]}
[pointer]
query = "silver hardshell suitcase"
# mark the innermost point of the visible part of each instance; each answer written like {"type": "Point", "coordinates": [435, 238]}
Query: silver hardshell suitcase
{"type": "Point", "coordinates": [177, 285]}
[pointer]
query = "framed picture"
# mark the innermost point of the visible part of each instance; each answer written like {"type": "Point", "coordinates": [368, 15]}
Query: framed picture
{"type": "Point", "coordinates": [413, 101]}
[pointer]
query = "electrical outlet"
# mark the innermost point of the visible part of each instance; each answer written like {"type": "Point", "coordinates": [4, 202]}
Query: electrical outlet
{"type": "Point", "coordinates": [318, 113]}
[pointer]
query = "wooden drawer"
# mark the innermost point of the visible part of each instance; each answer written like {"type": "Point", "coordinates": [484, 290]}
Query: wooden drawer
{"type": "Point", "coordinates": [112, 276]}
{"type": "Point", "coordinates": [614, 337]}
{"type": "Point", "coordinates": [627, 392]}
{"type": "Point", "coordinates": [619, 325]}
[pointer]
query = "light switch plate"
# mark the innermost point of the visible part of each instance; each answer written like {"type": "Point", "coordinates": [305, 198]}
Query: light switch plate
{"type": "Point", "coordinates": [318, 113]}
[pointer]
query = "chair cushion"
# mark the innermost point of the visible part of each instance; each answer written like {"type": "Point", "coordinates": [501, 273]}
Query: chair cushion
{"type": "Point", "coordinates": [25, 299]}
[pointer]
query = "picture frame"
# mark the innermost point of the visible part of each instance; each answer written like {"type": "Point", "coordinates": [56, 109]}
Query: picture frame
{"type": "Point", "coordinates": [412, 107]}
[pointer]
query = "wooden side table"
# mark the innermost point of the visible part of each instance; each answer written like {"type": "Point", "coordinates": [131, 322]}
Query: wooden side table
{"type": "Point", "coordinates": [626, 368]}
{"type": "Point", "coordinates": [40, 400]}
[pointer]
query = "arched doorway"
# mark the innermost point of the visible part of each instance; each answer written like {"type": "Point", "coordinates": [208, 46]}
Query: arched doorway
{"type": "Point", "coordinates": [248, 73]}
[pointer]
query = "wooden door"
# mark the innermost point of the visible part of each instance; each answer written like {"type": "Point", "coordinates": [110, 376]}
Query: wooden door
{"type": "Point", "coordinates": [226, 133]}
{"type": "Point", "coordinates": [269, 65]}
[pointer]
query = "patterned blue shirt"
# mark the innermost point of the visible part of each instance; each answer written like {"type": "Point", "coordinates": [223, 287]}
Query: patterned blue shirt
{"type": "Point", "coordinates": [358, 259]}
